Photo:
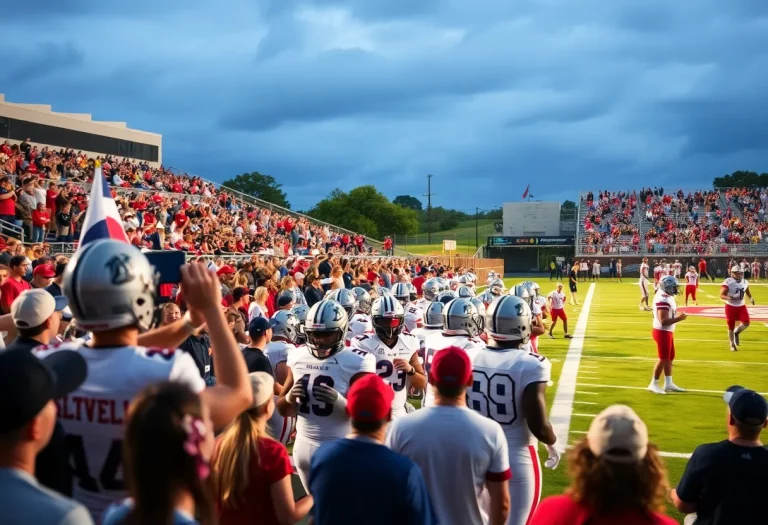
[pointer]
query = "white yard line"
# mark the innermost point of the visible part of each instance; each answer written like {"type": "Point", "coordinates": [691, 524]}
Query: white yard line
{"type": "Point", "coordinates": [696, 361]}
{"type": "Point", "coordinates": [586, 393]}
{"type": "Point", "coordinates": [576, 414]}
{"type": "Point", "coordinates": [578, 431]}
{"type": "Point", "coordinates": [645, 388]}
{"type": "Point", "coordinates": [675, 455]}
{"type": "Point", "coordinates": [560, 415]}
{"type": "Point", "coordinates": [584, 403]}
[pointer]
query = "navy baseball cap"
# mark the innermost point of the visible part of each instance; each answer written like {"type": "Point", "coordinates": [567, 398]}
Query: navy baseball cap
{"type": "Point", "coordinates": [28, 383]}
{"type": "Point", "coordinates": [259, 325]}
{"type": "Point", "coordinates": [746, 406]}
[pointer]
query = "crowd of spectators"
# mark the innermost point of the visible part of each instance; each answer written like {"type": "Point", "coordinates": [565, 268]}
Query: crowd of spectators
{"type": "Point", "coordinates": [685, 223]}
{"type": "Point", "coordinates": [46, 192]}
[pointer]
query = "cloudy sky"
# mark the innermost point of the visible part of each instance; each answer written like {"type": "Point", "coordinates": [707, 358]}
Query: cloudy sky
{"type": "Point", "coordinates": [487, 95]}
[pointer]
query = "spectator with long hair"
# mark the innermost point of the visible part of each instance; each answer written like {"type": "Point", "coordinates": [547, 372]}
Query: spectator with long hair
{"type": "Point", "coordinates": [258, 307]}
{"type": "Point", "coordinates": [251, 471]}
{"type": "Point", "coordinates": [168, 444]}
{"type": "Point", "coordinates": [314, 291]}
{"type": "Point", "coordinates": [617, 476]}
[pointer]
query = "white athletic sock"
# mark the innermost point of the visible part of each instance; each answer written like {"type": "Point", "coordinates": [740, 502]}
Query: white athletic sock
{"type": "Point", "coordinates": [730, 337]}
{"type": "Point", "coordinates": [653, 380]}
{"type": "Point", "coordinates": [741, 328]}
{"type": "Point", "coordinates": [667, 380]}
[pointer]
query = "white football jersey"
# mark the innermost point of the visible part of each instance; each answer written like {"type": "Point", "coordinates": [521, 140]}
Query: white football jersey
{"type": "Point", "coordinates": [643, 271]}
{"type": "Point", "coordinates": [93, 416]}
{"type": "Point", "coordinates": [736, 291]}
{"type": "Point", "coordinates": [440, 341]}
{"type": "Point", "coordinates": [500, 378]}
{"type": "Point", "coordinates": [318, 421]}
{"type": "Point", "coordinates": [558, 300]}
{"type": "Point", "coordinates": [662, 301]}
{"type": "Point", "coordinates": [692, 278]}
{"type": "Point", "coordinates": [414, 316]}
{"type": "Point", "coordinates": [277, 352]}
{"type": "Point", "coordinates": [678, 269]}
{"type": "Point", "coordinates": [421, 303]}
{"type": "Point", "coordinates": [358, 324]}
{"type": "Point", "coordinates": [404, 348]}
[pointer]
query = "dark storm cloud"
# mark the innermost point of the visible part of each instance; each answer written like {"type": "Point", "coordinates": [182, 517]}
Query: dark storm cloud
{"type": "Point", "coordinates": [488, 96]}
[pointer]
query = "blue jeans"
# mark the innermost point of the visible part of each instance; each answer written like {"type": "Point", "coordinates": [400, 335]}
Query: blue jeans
{"type": "Point", "coordinates": [37, 234]}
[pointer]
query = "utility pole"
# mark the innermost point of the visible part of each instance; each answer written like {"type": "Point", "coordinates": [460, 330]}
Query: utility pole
{"type": "Point", "coordinates": [477, 239]}
{"type": "Point", "coordinates": [428, 195]}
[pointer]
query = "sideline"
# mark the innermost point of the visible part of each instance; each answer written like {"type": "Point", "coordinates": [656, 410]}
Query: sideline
{"type": "Point", "coordinates": [562, 407]}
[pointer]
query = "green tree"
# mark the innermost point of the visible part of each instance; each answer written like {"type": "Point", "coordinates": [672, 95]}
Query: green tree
{"type": "Point", "coordinates": [741, 179]}
{"type": "Point", "coordinates": [263, 187]}
{"type": "Point", "coordinates": [366, 210]}
{"type": "Point", "coordinates": [568, 210]}
{"type": "Point", "coordinates": [406, 201]}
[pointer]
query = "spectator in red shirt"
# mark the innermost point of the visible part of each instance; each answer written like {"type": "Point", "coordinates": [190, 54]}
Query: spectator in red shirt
{"type": "Point", "coordinates": [7, 200]}
{"type": "Point", "coordinates": [180, 219]}
{"type": "Point", "coordinates": [420, 279]}
{"type": "Point", "coordinates": [41, 219]}
{"type": "Point", "coordinates": [251, 472]}
{"type": "Point", "coordinates": [617, 476]}
{"type": "Point", "coordinates": [15, 284]}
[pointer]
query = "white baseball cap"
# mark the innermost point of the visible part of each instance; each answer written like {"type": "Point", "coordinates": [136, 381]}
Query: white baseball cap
{"type": "Point", "coordinates": [32, 307]}
{"type": "Point", "coordinates": [617, 434]}
{"type": "Point", "coordinates": [263, 386]}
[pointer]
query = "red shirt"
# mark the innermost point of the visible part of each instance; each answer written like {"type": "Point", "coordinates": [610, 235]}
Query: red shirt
{"type": "Point", "coordinates": [40, 218]}
{"type": "Point", "coordinates": [10, 290]}
{"type": "Point", "coordinates": [418, 282]}
{"type": "Point", "coordinates": [274, 465]}
{"type": "Point", "coordinates": [562, 510]}
{"type": "Point", "coordinates": [7, 206]}
{"type": "Point", "coordinates": [50, 198]}
{"type": "Point", "coordinates": [180, 219]}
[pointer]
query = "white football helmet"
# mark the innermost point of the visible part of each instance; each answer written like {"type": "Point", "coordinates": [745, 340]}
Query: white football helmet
{"type": "Point", "coordinates": [430, 289]}
{"type": "Point", "coordinates": [346, 298]}
{"type": "Point", "coordinates": [287, 326]}
{"type": "Point", "coordinates": [496, 287]}
{"type": "Point", "coordinates": [401, 293]}
{"type": "Point", "coordinates": [736, 272]}
{"type": "Point", "coordinates": [523, 292]}
{"type": "Point", "coordinates": [326, 328]}
{"type": "Point", "coordinates": [363, 300]}
{"type": "Point", "coordinates": [433, 315]}
{"type": "Point", "coordinates": [446, 296]}
{"type": "Point", "coordinates": [387, 317]}
{"type": "Point", "coordinates": [508, 319]}
{"type": "Point", "coordinates": [110, 284]}
{"type": "Point", "coordinates": [465, 292]}
{"type": "Point", "coordinates": [461, 317]}
{"type": "Point", "coordinates": [669, 285]}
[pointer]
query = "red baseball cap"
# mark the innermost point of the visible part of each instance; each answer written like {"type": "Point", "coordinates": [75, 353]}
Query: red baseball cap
{"type": "Point", "coordinates": [225, 270]}
{"type": "Point", "coordinates": [451, 367]}
{"type": "Point", "coordinates": [46, 270]}
{"type": "Point", "coordinates": [370, 399]}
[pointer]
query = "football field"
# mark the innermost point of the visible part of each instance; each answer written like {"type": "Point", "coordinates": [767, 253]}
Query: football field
{"type": "Point", "coordinates": [611, 361]}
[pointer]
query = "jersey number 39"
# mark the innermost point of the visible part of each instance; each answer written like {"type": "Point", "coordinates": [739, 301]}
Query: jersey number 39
{"type": "Point", "coordinates": [493, 396]}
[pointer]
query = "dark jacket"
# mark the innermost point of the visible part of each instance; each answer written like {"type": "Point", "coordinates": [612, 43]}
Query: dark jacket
{"type": "Point", "coordinates": [199, 347]}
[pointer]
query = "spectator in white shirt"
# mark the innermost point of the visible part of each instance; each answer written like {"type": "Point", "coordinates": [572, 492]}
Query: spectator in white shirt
{"type": "Point", "coordinates": [460, 452]}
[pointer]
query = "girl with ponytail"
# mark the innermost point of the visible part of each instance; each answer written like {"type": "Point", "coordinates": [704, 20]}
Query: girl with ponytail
{"type": "Point", "coordinates": [251, 472]}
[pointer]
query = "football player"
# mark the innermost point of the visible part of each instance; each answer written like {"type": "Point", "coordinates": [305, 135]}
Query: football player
{"type": "Point", "coordinates": [285, 334]}
{"type": "Point", "coordinates": [665, 317]}
{"type": "Point", "coordinates": [755, 270]}
{"type": "Point", "coordinates": [677, 269]}
{"type": "Point", "coordinates": [691, 284]}
{"type": "Point", "coordinates": [556, 301]}
{"type": "Point", "coordinates": [462, 323]}
{"type": "Point", "coordinates": [396, 353]}
{"type": "Point", "coordinates": [644, 285]}
{"type": "Point", "coordinates": [319, 376]}
{"type": "Point", "coordinates": [111, 288]}
{"type": "Point", "coordinates": [356, 325]}
{"type": "Point", "coordinates": [510, 388]}
{"type": "Point", "coordinates": [524, 291]}
{"type": "Point", "coordinates": [433, 322]}
{"type": "Point", "coordinates": [430, 290]}
{"type": "Point", "coordinates": [495, 290]}
{"type": "Point", "coordinates": [732, 291]}
{"type": "Point", "coordinates": [619, 269]}
{"type": "Point", "coordinates": [300, 311]}
{"type": "Point", "coordinates": [658, 271]}
{"type": "Point", "coordinates": [413, 314]}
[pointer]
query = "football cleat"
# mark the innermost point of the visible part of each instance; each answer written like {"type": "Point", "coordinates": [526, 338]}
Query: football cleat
{"type": "Point", "coordinates": [653, 387]}
{"type": "Point", "coordinates": [733, 348]}
{"type": "Point", "coordinates": [673, 388]}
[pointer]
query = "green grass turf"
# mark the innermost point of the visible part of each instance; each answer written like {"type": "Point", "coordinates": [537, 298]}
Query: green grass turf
{"type": "Point", "coordinates": [619, 352]}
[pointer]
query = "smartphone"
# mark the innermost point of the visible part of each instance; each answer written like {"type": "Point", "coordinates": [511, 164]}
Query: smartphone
{"type": "Point", "coordinates": [168, 264]}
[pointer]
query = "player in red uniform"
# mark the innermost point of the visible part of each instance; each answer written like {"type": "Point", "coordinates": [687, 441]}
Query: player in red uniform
{"type": "Point", "coordinates": [665, 317]}
{"type": "Point", "coordinates": [691, 284]}
{"type": "Point", "coordinates": [732, 291]}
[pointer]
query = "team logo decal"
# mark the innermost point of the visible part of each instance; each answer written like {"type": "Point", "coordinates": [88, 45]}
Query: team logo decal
{"type": "Point", "coordinates": [120, 271]}
{"type": "Point", "coordinates": [756, 313]}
